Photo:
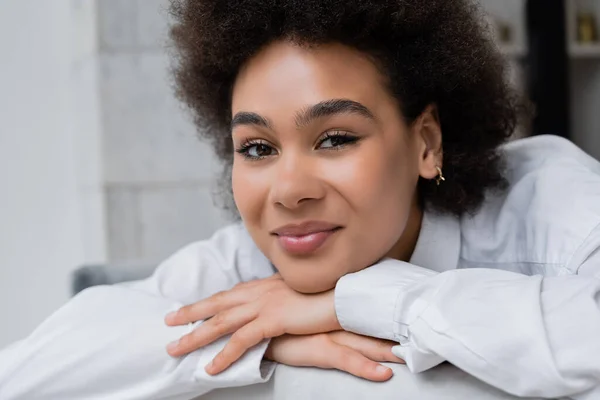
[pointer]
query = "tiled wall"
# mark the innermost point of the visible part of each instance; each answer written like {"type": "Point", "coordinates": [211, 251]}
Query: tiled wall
{"type": "Point", "coordinates": [159, 178]}
{"type": "Point", "coordinates": [86, 117]}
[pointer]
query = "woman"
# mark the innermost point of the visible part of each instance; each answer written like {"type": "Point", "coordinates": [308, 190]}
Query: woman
{"type": "Point", "coordinates": [364, 140]}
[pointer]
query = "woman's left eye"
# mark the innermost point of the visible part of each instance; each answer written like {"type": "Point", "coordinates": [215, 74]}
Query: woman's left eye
{"type": "Point", "coordinates": [332, 141]}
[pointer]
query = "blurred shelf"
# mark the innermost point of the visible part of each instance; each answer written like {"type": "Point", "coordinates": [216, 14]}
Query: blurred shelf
{"type": "Point", "coordinates": [577, 50]}
{"type": "Point", "coordinates": [513, 50]}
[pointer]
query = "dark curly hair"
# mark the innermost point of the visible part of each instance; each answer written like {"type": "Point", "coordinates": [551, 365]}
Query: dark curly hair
{"type": "Point", "coordinates": [432, 52]}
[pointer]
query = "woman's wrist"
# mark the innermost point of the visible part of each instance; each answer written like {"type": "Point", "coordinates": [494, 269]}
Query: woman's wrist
{"type": "Point", "coordinates": [332, 324]}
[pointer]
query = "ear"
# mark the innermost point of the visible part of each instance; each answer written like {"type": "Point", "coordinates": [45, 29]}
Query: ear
{"type": "Point", "coordinates": [428, 134]}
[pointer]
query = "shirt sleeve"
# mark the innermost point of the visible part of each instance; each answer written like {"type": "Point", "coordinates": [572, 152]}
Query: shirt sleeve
{"type": "Point", "coordinates": [110, 342]}
{"type": "Point", "coordinates": [526, 335]}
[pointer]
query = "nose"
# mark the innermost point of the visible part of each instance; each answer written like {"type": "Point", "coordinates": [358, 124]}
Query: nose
{"type": "Point", "coordinates": [296, 182]}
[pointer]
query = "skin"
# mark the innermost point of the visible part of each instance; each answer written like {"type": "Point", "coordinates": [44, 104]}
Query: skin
{"type": "Point", "coordinates": [368, 187]}
{"type": "Point", "coordinates": [292, 166]}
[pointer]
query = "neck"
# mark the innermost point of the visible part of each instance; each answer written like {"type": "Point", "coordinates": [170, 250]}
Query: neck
{"type": "Point", "coordinates": [405, 246]}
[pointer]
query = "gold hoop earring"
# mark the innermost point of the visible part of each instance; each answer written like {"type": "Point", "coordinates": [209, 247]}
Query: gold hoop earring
{"type": "Point", "coordinates": [440, 176]}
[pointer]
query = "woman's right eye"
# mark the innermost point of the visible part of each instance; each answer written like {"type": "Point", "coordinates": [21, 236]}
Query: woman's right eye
{"type": "Point", "coordinates": [256, 151]}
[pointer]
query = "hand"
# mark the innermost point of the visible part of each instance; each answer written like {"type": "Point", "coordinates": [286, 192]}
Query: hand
{"type": "Point", "coordinates": [252, 311]}
{"type": "Point", "coordinates": [346, 351]}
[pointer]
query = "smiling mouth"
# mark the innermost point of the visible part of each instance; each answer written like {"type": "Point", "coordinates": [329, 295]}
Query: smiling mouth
{"type": "Point", "coordinates": [304, 243]}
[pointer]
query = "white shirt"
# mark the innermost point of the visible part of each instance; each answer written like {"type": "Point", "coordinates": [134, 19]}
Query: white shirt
{"type": "Point", "coordinates": [511, 295]}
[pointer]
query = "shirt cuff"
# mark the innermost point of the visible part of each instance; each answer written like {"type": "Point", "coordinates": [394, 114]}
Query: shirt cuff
{"type": "Point", "coordinates": [250, 369]}
{"type": "Point", "coordinates": [367, 302]}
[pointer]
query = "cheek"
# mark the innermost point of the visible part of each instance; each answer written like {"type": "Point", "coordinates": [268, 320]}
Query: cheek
{"type": "Point", "coordinates": [238, 188]}
{"type": "Point", "coordinates": [251, 185]}
{"type": "Point", "coordinates": [376, 181]}
{"type": "Point", "coordinates": [379, 187]}
{"type": "Point", "coordinates": [248, 192]}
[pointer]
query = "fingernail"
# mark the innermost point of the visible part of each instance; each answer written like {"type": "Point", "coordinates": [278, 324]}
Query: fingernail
{"type": "Point", "coordinates": [170, 316]}
{"type": "Point", "coordinates": [380, 369]}
{"type": "Point", "coordinates": [173, 345]}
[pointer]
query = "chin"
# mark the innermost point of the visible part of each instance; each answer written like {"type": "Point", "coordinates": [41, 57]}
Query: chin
{"type": "Point", "coordinates": [310, 284]}
{"type": "Point", "coordinates": [314, 274]}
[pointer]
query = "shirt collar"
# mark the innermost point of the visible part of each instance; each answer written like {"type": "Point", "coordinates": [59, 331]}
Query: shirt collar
{"type": "Point", "coordinates": [438, 246]}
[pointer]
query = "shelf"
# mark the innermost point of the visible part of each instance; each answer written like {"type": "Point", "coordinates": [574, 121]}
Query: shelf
{"type": "Point", "coordinates": [513, 50]}
{"type": "Point", "coordinates": [577, 50]}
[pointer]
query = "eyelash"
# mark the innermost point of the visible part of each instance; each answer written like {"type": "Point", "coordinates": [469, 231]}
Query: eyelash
{"type": "Point", "coordinates": [348, 139]}
{"type": "Point", "coordinates": [245, 147]}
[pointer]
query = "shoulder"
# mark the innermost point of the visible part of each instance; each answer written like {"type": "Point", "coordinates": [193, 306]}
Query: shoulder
{"type": "Point", "coordinates": [547, 152]}
{"type": "Point", "coordinates": [550, 208]}
{"type": "Point", "coordinates": [208, 266]}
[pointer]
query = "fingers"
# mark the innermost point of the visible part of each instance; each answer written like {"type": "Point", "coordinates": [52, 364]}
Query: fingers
{"type": "Point", "coordinates": [299, 351]}
{"type": "Point", "coordinates": [207, 308]}
{"type": "Point", "coordinates": [243, 339]}
{"type": "Point", "coordinates": [220, 325]}
{"type": "Point", "coordinates": [322, 352]}
{"type": "Point", "coordinates": [372, 348]}
{"type": "Point", "coordinates": [242, 293]}
{"type": "Point", "coordinates": [352, 361]}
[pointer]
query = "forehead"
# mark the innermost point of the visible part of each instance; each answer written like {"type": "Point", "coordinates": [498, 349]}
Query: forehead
{"type": "Point", "coordinates": [285, 75]}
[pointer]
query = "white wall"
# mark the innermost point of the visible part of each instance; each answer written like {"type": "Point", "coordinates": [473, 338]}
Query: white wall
{"type": "Point", "coordinates": [97, 159]}
{"type": "Point", "coordinates": [50, 202]}
{"type": "Point", "coordinates": [159, 177]}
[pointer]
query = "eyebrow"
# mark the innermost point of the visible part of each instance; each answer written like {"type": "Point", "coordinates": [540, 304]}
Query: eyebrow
{"type": "Point", "coordinates": [249, 118]}
{"type": "Point", "coordinates": [332, 107]}
{"type": "Point", "coordinates": [306, 116]}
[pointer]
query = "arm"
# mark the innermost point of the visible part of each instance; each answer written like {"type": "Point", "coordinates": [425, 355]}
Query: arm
{"type": "Point", "coordinates": [527, 335]}
{"type": "Point", "coordinates": [109, 341]}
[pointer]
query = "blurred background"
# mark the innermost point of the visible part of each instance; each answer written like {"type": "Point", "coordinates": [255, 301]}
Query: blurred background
{"type": "Point", "coordinates": [100, 165]}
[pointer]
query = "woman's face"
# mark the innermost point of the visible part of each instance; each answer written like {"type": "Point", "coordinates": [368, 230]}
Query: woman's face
{"type": "Point", "coordinates": [325, 170]}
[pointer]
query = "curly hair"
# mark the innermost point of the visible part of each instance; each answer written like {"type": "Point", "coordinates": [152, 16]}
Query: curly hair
{"type": "Point", "coordinates": [431, 51]}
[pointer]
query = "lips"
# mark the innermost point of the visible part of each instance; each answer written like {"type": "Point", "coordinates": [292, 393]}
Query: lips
{"type": "Point", "coordinates": [305, 238]}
